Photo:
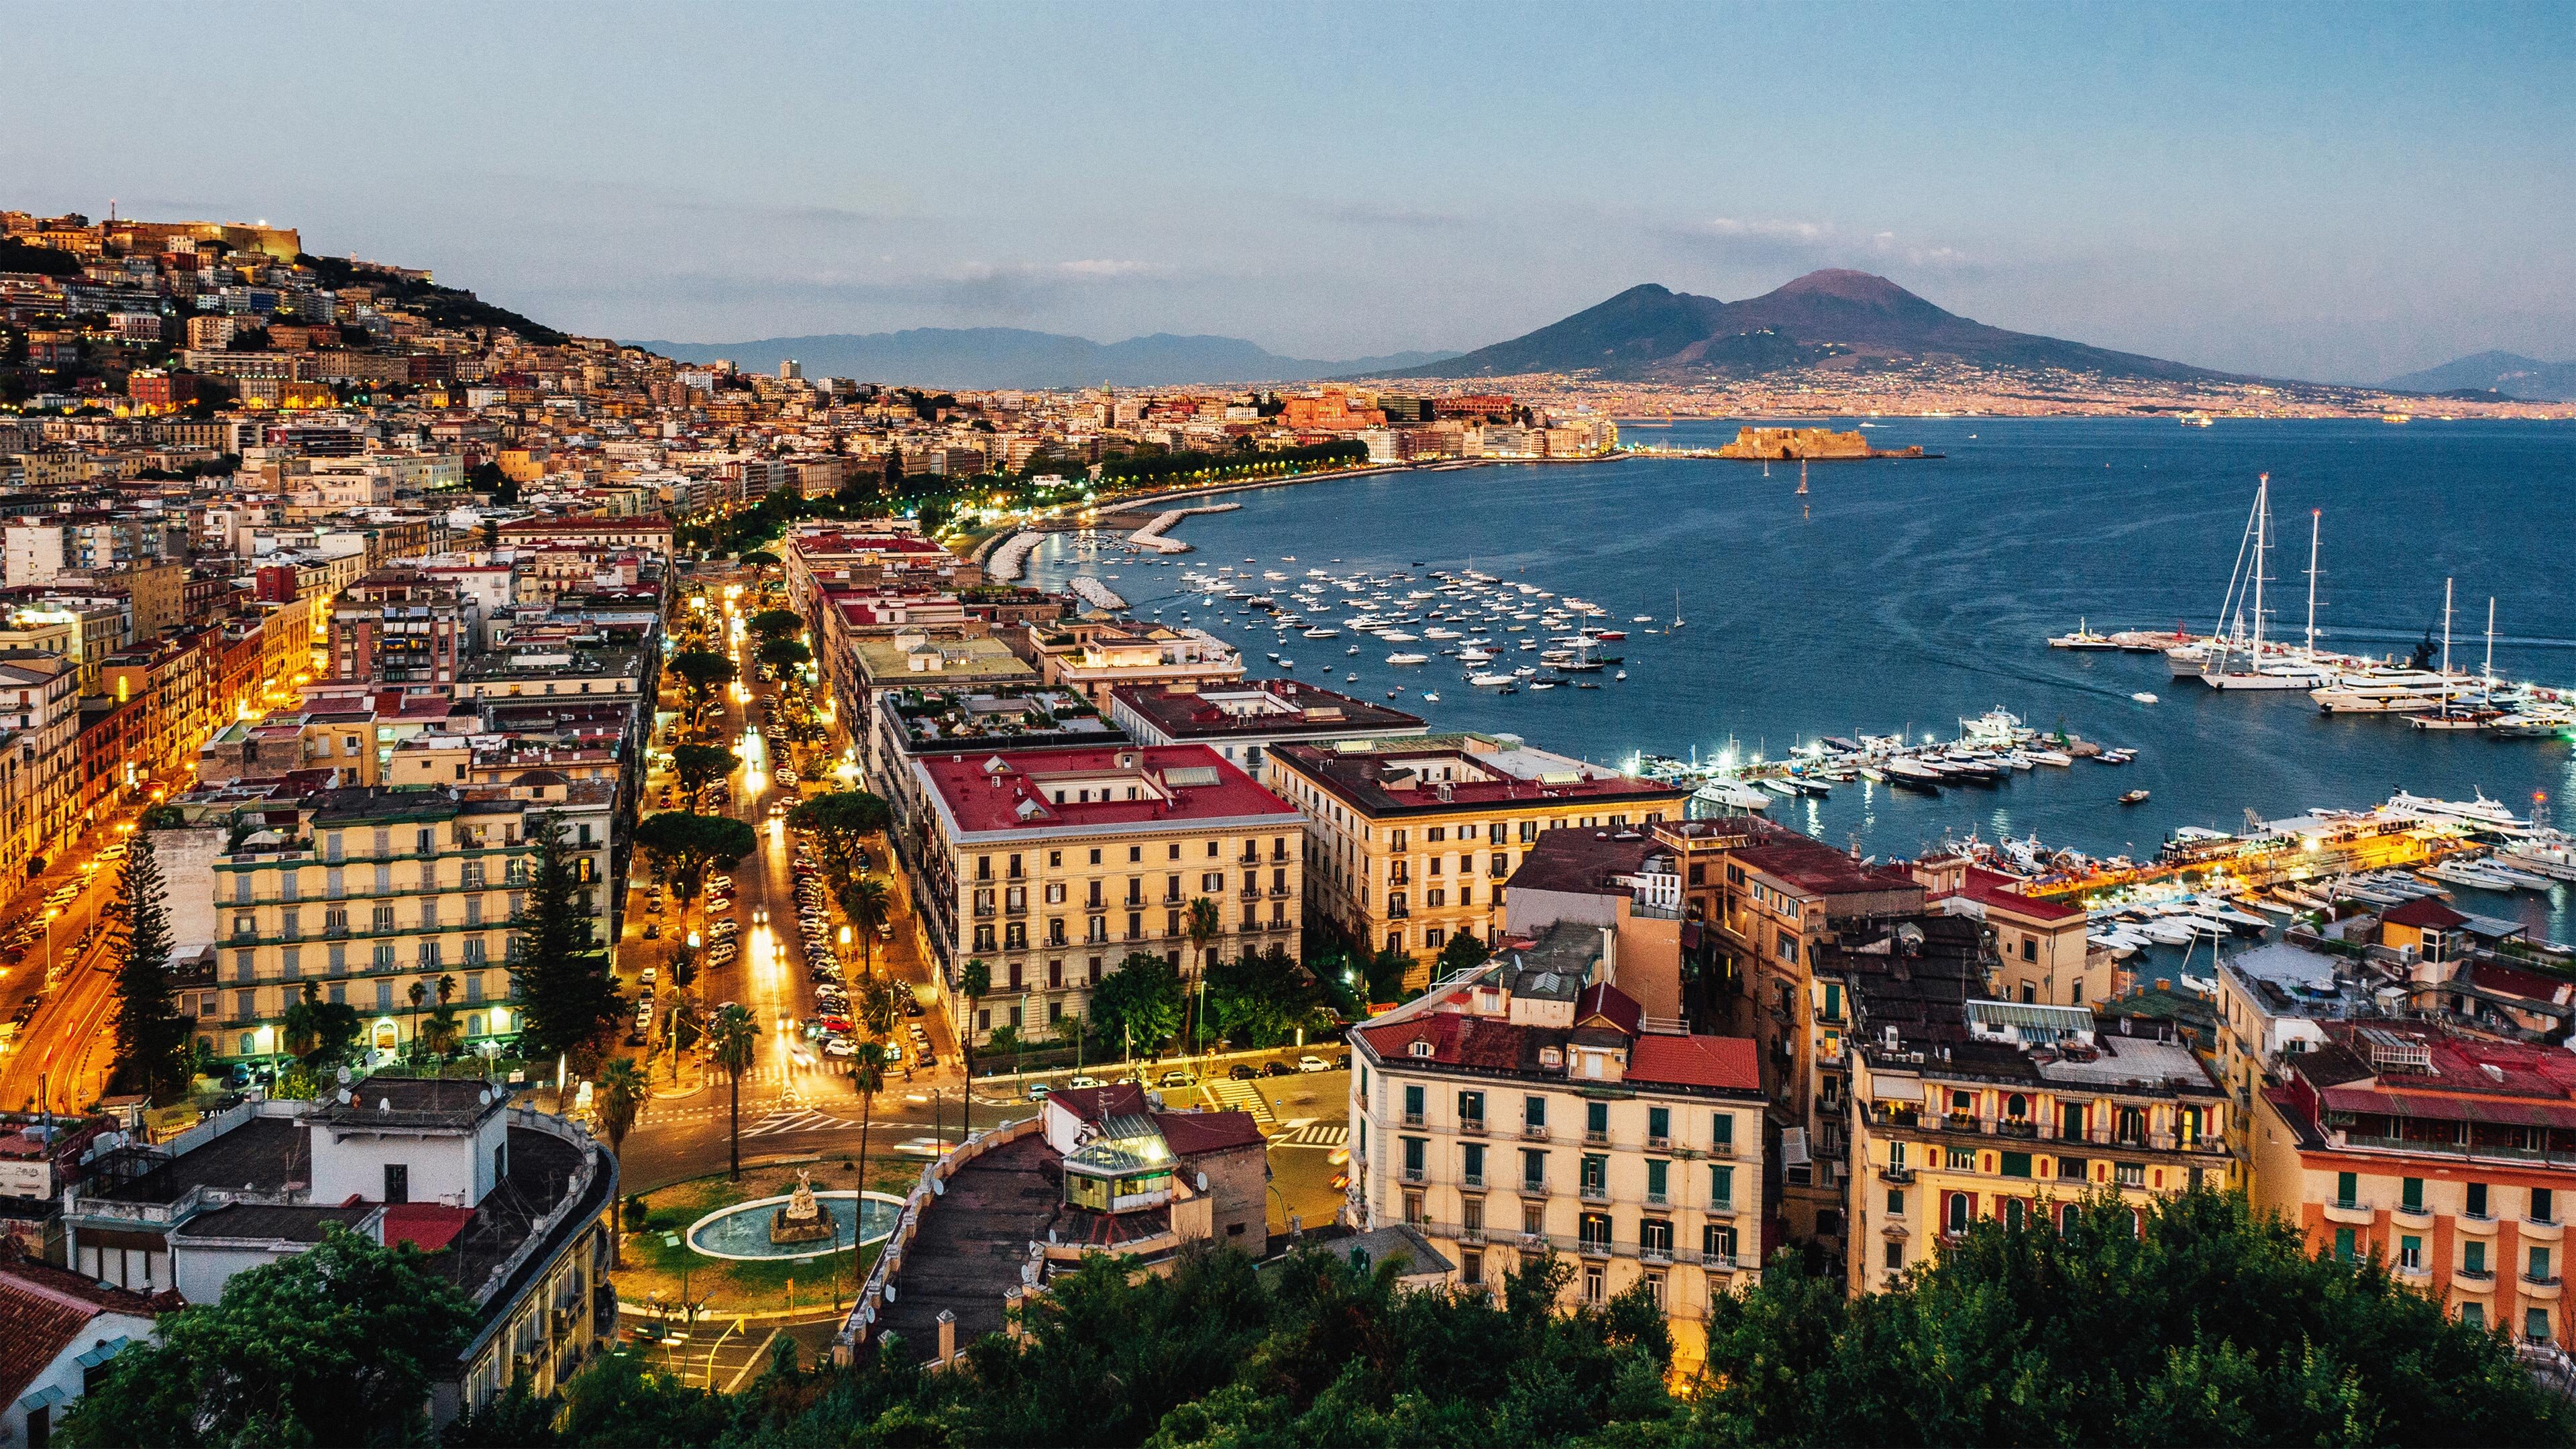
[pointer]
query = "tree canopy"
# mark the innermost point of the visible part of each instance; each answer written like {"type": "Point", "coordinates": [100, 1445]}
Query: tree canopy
{"type": "Point", "coordinates": [151, 1035]}
{"type": "Point", "coordinates": [699, 766]}
{"type": "Point", "coordinates": [704, 672]}
{"type": "Point", "coordinates": [782, 655]}
{"type": "Point", "coordinates": [776, 624]}
{"type": "Point", "coordinates": [684, 848]}
{"type": "Point", "coordinates": [339, 1344]}
{"type": "Point", "coordinates": [1139, 1003]}
{"type": "Point", "coordinates": [839, 822]}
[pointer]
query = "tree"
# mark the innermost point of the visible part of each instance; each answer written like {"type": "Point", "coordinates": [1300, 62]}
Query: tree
{"type": "Point", "coordinates": [620, 1094]}
{"type": "Point", "coordinates": [840, 822]}
{"type": "Point", "coordinates": [151, 1035]}
{"type": "Point", "coordinates": [867, 1074]}
{"type": "Point", "coordinates": [2197, 1320]}
{"type": "Point", "coordinates": [322, 1034]}
{"type": "Point", "coordinates": [557, 967]}
{"type": "Point", "coordinates": [734, 1038]}
{"type": "Point", "coordinates": [864, 901]}
{"type": "Point", "coordinates": [1140, 1002]}
{"type": "Point", "coordinates": [1463, 953]}
{"type": "Point", "coordinates": [686, 848]}
{"type": "Point", "coordinates": [704, 673]}
{"type": "Point", "coordinates": [439, 1035]}
{"type": "Point", "coordinates": [1262, 1000]}
{"type": "Point", "coordinates": [699, 766]}
{"type": "Point", "coordinates": [1202, 921]}
{"type": "Point", "coordinates": [783, 656]}
{"type": "Point", "coordinates": [974, 979]}
{"type": "Point", "coordinates": [339, 1344]}
{"type": "Point", "coordinates": [776, 624]}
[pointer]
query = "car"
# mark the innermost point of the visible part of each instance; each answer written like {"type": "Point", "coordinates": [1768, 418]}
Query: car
{"type": "Point", "coordinates": [652, 930]}
{"type": "Point", "coordinates": [885, 930]}
{"type": "Point", "coordinates": [1174, 1078]}
{"type": "Point", "coordinates": [1038, 1091]}
{"type": "Point", "coordinates": [911, 1006]}
{"type": "Point", "coordinates": [1278, 1069]}
{"type": "Point", "coordinates": [1312, 1063]}
{"type": "Point", "coordinates": [653, 905]}
{"type": "Point", "coordinates": [838, 1048]}
{"type": "Point", "coordinates": [894, 1054]}
{"type": "Point", "coordinates": [635, 1038]}
{"type": "Point", "coordinates": [1242, 1072]}
{"type": "Point", "coordinates": [839, 1024]}
{"type": "Point", "coordinates": [1342, 1063]}
{"type": "Point", "coordinates": [651, 975]}
{"type": "Point", "coordinates": [760, 915]}
{"type": "Point", "coordinates": [1081, 1082]}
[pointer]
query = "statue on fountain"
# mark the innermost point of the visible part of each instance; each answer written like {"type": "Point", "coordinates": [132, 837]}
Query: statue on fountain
{"type": "Point", "coordinates": [801, 1219]}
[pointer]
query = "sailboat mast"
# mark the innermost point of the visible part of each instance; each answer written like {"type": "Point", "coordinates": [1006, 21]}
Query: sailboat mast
{"type": "Point", "coordinates": [2262, 545]}
{"type": "Point", "coordinates": [2490, 669]}
{"type": "Point", "coordinates": [2446, 647]}
{"type": "Point", "coordinates": [2316, 521]}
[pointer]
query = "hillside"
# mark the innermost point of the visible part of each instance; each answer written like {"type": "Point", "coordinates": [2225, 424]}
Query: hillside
{"type": "Point", "coordinates": [1653, 332]}
{"type": "Point", "coordinates": [444, 306]}
{"type": "Point", "coordinates": [2508, 373]}
{"type": "Point", "coordinates": [991, 357]}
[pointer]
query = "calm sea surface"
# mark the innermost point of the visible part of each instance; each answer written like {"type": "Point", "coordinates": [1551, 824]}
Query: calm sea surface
{"type": "Point", "coordinates": [1907, 595]}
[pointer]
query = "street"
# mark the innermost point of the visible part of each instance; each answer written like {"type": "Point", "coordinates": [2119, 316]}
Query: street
{"type": "Point", "coordinates": [64, 1054]}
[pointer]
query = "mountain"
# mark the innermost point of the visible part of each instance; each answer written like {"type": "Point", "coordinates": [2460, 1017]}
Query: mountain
{"type": "Point", "coordinates": [991, 357]}
{"type": "Point", "coordinates": [1652, 332]}
{"type": "Point", "coordinates": [2495, 372]}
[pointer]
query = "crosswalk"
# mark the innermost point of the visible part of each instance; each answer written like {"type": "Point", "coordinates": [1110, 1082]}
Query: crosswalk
{"type": "Point", "coordinates": [806, 1120]}
{"type": "Point", "coordinates": [1326, 1135]}
{"type": "Point", "coordinates": [1241, 1097]}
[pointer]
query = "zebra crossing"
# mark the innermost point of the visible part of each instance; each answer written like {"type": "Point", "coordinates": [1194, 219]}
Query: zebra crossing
{"type": "Point", "coordinates": [805, 1120]}
{"type": "Point", "coordinates": [1303, 1133]}
{"type": "Point", "coordinates": [1241, 1097]}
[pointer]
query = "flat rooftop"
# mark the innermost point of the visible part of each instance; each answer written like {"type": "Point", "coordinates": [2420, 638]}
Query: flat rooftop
{"type": "Point", "coordinates": [1101, 788]}
{"type": "Point", "coordinates": [1264, 708]}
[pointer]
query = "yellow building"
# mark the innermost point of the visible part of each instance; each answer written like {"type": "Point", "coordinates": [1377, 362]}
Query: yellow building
{"type": "Point", "coordinates": [1526, 1110]}
{"type": "Point", "coordinates": [1964, 1109]}
{"type": "Point", "coordinates": [1412, 839]}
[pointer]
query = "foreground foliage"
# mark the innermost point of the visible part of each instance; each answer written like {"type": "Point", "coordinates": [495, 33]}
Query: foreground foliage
{"type": "Point", "coordinates": [2209, 1325]}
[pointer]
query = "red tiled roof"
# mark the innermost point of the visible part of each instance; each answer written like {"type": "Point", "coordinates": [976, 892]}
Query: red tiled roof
{"type": "Point", "coordinates": [2424, 913]}
{"type": "Point", "coordinates": [1994, 888]}
{"type": "Point", "coordinates": [1609, 1003]}
{"type": "Point", "coordinates": [428, 1226]}
{"type": "Point", "coordinates": [1191, 1133]}
{"type": "Point", "coordinates": [43, 1310]}
{"type": "Point", "coordinates": [1696, 1061]}
{"type": "Point", "coordinates": [1812, 865]}
{"type": "Point", "coordinates": [1465, 1041]}
{"type": "Point", "coordinates": [1016, 796]}
{"type": "Point", "coordinates": [2513, 981]}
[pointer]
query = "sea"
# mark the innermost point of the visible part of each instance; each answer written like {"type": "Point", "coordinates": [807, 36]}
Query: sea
{"type": "Point", "coordinates": [1908, 595]}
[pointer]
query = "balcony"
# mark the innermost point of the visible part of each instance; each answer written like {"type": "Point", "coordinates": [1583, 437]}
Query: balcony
{"type": "Point", "coordinates": [1653, 1253]}
{"type": "Point", "coordinates": [2480, 1225]}
{"type": "Point", "coordinates": [2352, 1213]}
{"type": "Point", "coordinates": [1280, 892]}
{"type": "Point", "coordinates": [1596, 1137]}
{"type": "Point", "coordinates": [1659, 1144]}
{"type": "Point", "coordinates": [2543, 1289]}
{"type": "Point", "coordinates": [1534, 1187]}
{"type": "Point", "coordinates": [1659, 1199]}
{"type": "Point", "coordinates": [1472, 1126]}
{"type": "Point", "coordinates": [1893, 1173]}
{"type": "Point", "coordinates": [1472, 1180]}
{"type": "Point", "coordinates": [1594, 1192]}
{"type": "Point", "coordinates": [1593, 1247]}
{"type": "Point", "coordinates": [2473, 1280]}
{"type": "Point", "coordinates": [1412, 1119]}
{"type": "Point", "coordinates": [2418, 1216]}
{"type": "Point", "coordinates": [2537, 1231]}
{"type": "Point", "coordinates": [1416, 1174]}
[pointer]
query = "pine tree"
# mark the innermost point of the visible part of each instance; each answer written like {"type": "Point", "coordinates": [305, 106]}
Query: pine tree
{"type": "Point", "coordinates": [151, 1037]}
{"type": "Point", "coordinates": [560, 972]}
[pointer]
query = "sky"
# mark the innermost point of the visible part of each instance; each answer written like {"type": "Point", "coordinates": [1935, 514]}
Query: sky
{"type": "Point", "coordinates": [2339, 192]}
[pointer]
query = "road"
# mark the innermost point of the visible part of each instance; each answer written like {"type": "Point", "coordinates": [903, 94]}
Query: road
{"type": "Point", "coordinates": [64, 1054]}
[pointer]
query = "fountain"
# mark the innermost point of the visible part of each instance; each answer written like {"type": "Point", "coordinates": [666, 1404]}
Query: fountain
{"type": "Point", "coordinates": [753, 1230]}
{"type": "Point", "coordinates": [800, 1219]}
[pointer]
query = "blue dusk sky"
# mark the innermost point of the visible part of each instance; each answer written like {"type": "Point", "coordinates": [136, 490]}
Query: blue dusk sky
{"type": "Point", "coordinates": [2337, 192]}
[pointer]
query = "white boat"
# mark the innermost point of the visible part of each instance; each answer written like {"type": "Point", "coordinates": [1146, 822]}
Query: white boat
{"type": "Point", "coordinates": [1323, 633]}
{"type": "Point", "coordinates": [2082, 638]}
{"type": "Point", "coordinates": [1778, 786]}
{"type": "Point", "coordinates": [2169, 931]}
{"type": "Point", "coordinates": [1491, 681]}
{"type": "Point", "coordinates": [1440, 634]}
{"type": "Point", "coordinates": [2059, 758]}
{"type": "Point", "coordinates": [2479, 813]}
{"type": "Point", "coordinates": [1430, 697]}
{"type": "Point", "coordinates": [1400, 658]}
{"type": "Point", "coordinates": [1542, 684]}
{"type": "Point", "coordinates": [2143, 697]}
{"type": "Point", "coordinates": [2462, 873]}
{"type": "Point", "coordinates": [1731, 793]}
{"type": "Point", "coordinates": [2394, 691]}
{"type": "Point", "coordinates": [1397, 636]}
{"type": "Point", "coordinates": [1473, 656]}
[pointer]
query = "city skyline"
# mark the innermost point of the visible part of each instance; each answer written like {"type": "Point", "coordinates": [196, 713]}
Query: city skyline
{"type": "Point", "coordinates": [2297, 194]}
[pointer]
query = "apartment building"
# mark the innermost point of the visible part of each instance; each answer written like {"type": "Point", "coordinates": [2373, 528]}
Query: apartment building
{"type": "Point", "coordinates": [40, 722]}
{"type": "Point", "coordinates": [399, 626]}
{"type": "Point", "coordinates": [913, 721]}
{"type": "Point", "coordinates": [1098, 657]}
{"type": "Point", "coordinates": [1244, 721]}
{"type": "Point", "coordinates": [2041, 954]}
{"type": "Point", "coordinates": [875, 678]}
{"type": "Point", "coordinates": [1412, 839]}
{"type": "Point", "coordinates": [1051, 866]}
{"type": "Point", "coordinates": [371, 891]}
{"type": "Point", "coordinates": [1963, 1108]}
{"type": "Point", "coordinates": [1525, 1110]}
{"type": "Point", "coordinates": [2451, 1158]}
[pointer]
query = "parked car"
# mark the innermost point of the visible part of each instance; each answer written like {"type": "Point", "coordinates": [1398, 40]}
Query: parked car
{"type": "Point", "coordinates": [1243, 1072]}
{"type": "Point", "coordinates": [652, 930]}
{"type": "Point", "coordinates": [839, 1048]}
{"type": "Point", "coordinates": [1174, 1078]}
{"type": "Point", "coordinates": [635, 1038]}
{"type": "Point", "coordinates": [1038, 1091]}
{"type": "Point", "coordinates": [1278, 1069]}
{"type": "Point", "coordinates": [911, 1006]}
{"type": "Point", "coordinates": [1083, 1081]}
{"type": "Point", "coordinates": [651, 975]}
{"type": "Point", "coordinates": [1311, 1063]}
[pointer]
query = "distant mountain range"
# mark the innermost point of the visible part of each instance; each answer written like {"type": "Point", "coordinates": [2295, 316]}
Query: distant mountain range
{"type": "Point", "coordinates": [2484, 373]}
{"type": "Point", "coordinates": [1654, 333]}
{"type": "Point", "coordinates": [994, 357]}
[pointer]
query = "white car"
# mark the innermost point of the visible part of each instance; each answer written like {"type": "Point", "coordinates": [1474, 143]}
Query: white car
{"type": "Point", "coordinates": [1313, 1064]}
{"type": "Point", "coordinates": [839, 1048]}
{"type": "Point", "coordinates": [651, 975]}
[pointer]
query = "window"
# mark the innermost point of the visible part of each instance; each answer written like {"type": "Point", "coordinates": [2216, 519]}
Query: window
{"type": "Point", "coordinates": [1596, 1121]}
{"type": "Point", "coordinates": [1896, 1202]}
{"type": "Point", "coordinates": [1721, 1131]}
{"type": "Point", "coordinates": [2072, 1169]}
{"type": "Point", "coordinates": [1534, 1116]}
{"type": "Point", "coordinates": [2343, 1245]}
{"type": "Point", "coordinates": [1658, 1181]}
{"type": "Point", "coordinates": [1958, 1159]}
{"type": "Point", "coordinates": [1471, 1111]}
{"type": "Point", "coordinates": [1659, 1124]}
{"type": "Point", "coordinates": [2411, 1194]}
{"type": "Point", "coordinates": [1533, 1170]}
{"type": "Point", "coordinates": [1717, 1242]}
{"type": "Point", "coordinates": [2541, 1211]}
{"type": "Point", "coordinates": [1414, 1150]}
{"type": "Point", "coordinates": [1895, 1256]}
{"type": "Point", "coordinates": [1593, 1234]}
{"type": "Point", "coordinates": [1721, 1188]}
{"type": "Point", "coordinates": [1595, 1180]}
{"type": "Point", "coordinates": [2473, 1315]}
{"type": "Point", "coordinates": [1413, 1106]}
{"type": "Point", "coordinates": [397, 1182]}
{"type": "Point", "coordinates": [1471, 1164]}
{"type": "Point", "coordinates": [2129, 1174]}
{"type": "Point", "coordinates": [2473, 1256]}
{"type": "Point", "coordinates": [1471, 1268]}
{"type": "Point", "coordinates": [1592, 1292]}
{"type": "Point", "coordinates": [1962, 1206]}
{"type": "Point", "coordinates": [2410, 1251]}
{"type": "Point", "coordinates": [2538, 1268]}
{"type": "Point", "coordinates": [2347, 1189]}
{"type": "Point", "coordinates": [1655, 1238]}
{"type": "Point", "coordinates": [2015, 1164]}
{"type": "Point", "coordinates": [2535, 1324]}
{"type": "Point", "coordinates": [2477, 1199]}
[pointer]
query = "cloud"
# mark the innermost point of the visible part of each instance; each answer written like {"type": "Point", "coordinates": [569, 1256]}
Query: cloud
{"type": "Point", "coordinates": [1815, 243]}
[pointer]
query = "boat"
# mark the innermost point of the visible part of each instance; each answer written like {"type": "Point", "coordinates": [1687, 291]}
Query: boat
{"type": "Point", "coordinates": [1778, 786]}
{"type": "Point", "coordinates": [1622, 674]}
{"type": "Point", "coordinates": [2082, 638]}
{"type": "Point", "coordinates": [1912, 775]}
{"type": "Point", "coordinates": [2117, 757]}
{"type": "Point", "coordinates": [1402, 658]}
{"type": "Point", "coordinates": [2059, 758]}
{"type": "Point", "coordinates": [1491, 681]}
{"type": "Point", "coordinates": [2134, 797]}
{"type": "Point", "coordinates": [2143, 697]}
{"type": "Point", "coordinates": [1323, 633]}
{"type": "Point", "coordinates": [1536, 684]}
{"type": "Point", "coordinates": [2479, 813]}
{"type": "Point", "coordinates": [1430, 697]}
{"type": "Point", "coordinates": [1354, 649]}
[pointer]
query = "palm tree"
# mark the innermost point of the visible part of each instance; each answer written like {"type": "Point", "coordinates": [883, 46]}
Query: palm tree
{"type": "Point", "coordinates": [735, 1038]}
{"type": "Point", "coordinates": [975, 980]}
{"type": "Point", "coordinates": [439, 1033]}
{"type": "Point", "coordinates": [1202, 923]}
{"type": "Point", "coordinates": [620, 1094]}
{"type": "Point", "coordinates": [868, 907]}
{"type": "Point", "coordinates": [867, 1073]}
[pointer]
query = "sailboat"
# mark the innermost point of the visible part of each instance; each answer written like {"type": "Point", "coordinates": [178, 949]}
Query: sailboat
{"type": "Point", "coordinates": [2449, 716]}
{"type": "Point", "coordinates": [2220, 667]}
{"type": "Point", "coordinates": [1678, 621]}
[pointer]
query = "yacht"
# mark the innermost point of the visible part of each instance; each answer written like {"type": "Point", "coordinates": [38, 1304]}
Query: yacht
{"type": "Point", "coordinates": [1402, 658]}
{"type": "Point", "coordinates": [1323, 633]}
{"type": "Point", "coordinates": [2386, 691]}
{"type": "Point", "coordinates": [2082, 638]}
